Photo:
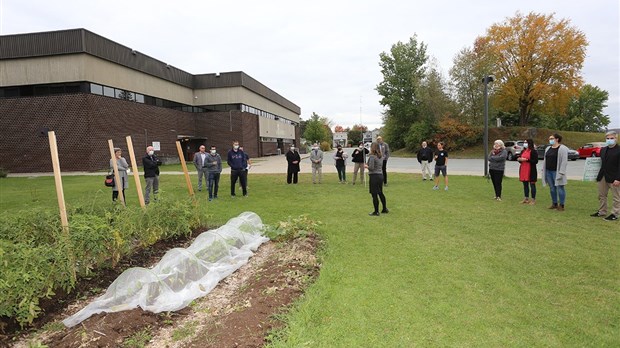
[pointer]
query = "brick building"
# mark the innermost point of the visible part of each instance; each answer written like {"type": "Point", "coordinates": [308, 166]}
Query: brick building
{"type": "Point", "coordinates": [89, 89]}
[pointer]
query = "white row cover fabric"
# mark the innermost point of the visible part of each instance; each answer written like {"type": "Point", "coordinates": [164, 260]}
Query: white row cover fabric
{"type": "Point", "coordinates": [182, 275]}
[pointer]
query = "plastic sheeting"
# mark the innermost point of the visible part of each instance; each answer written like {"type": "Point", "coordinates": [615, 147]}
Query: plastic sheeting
{"type": "Point", "coordinates": [182, 275]}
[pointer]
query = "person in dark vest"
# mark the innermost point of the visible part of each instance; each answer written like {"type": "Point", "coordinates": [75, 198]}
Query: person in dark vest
{"type": "Point", "coordinates": [358, 158]}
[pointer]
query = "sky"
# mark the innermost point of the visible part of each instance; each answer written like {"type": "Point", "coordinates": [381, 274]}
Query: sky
{"type": "Point", "coordinates": [321, 55]}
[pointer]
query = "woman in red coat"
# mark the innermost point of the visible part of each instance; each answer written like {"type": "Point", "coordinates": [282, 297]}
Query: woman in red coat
{"type": "Point", "coordinates": [527, 171]}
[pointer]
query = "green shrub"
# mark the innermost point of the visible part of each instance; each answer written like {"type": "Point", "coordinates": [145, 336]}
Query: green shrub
{"type": "Point", "coordinates": [456, 135]}
{"type": "Point", "coordinates": [292, 228]}
{"type": "Point", "coordinates": [3, 173]}
{"type": "Point", "coordinates": [325, 146]}
{"type": "Point", "coordinates": [37, 258]}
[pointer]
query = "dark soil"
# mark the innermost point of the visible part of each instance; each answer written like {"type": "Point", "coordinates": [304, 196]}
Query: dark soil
{"type": "Point", "coordinates": [244, 321]}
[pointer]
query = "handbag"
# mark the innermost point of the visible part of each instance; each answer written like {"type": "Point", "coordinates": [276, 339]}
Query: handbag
{"type": "Point", "coordinates": [109, 180]}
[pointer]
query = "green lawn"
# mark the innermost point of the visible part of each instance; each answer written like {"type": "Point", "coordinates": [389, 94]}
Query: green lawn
{"type": "Point", "coordinates": [451, 268]}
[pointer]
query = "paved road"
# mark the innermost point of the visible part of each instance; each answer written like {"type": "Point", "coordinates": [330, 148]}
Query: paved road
{"type": "Point", "coordinates": [277, 164]}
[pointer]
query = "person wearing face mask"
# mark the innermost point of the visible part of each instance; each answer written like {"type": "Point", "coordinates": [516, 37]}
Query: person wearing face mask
{"type": "Point", "coordinates": [358, 159]}
{"type": "Point", "coordinates": [238, 164]}
{"type": "Point", "coordinates": [425, 158]}
{"type": "Point", "coordinates": [341, 164]}
{"type": "Point", "coordinates": [609, 177]}
{"type": "Point", "coordinates": [293, 158]}
{"type": "Point", "coordinates": [213, 165]}
{"type": "Point", "coordinates": [123, 169]}
{"type": "Point", "coordinates": [497, 164]}
{"type": "Point", "coordinates": [151, 164]}
{"type": "Point", "coordinates": [199, 163]}
{"type": "Point", "coordinates": [316, 157]}
{"type": "Point", "coordinates": [527, 171]}
{"type": "Point", "coordinates": [554, 171]}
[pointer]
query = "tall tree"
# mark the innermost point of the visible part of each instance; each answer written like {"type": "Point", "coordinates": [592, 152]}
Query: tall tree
{"type": "Point", "coordinates": [585, 112]}
{"type": "Point", "coordinates": [469, 68]}
{"type": "Point", "coordinates": [403, 68]}
{"type": "Point", "coordinates": [316, 129]}
{"type": "Point", "coordinates": [538, 62]}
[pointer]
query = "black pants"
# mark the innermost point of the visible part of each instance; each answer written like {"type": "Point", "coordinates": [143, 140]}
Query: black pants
{"type": "Point", "coordinates": [376, 191]}
{"type": "Point", "coordinates": [242, 175]}
{"type": "Point", "coordinates": [291, 176]}
{"type": "Point", "coordinates": [526, 189]}
{"type": "Point", "coordinates": [496, 177]}
{"type": "Point", "coordinates": [115, 193]}
{"type": "Point", "coordinates": [213, 183]}
{"type": "Point", "coordinates": [384, 169]}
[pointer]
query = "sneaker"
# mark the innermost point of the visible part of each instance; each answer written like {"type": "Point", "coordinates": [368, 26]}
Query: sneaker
{"type": "Point", "coordinates": [525, 201]}
{"type": "Point", "coordinates": [553, 206]}
{"type": "Point", "coordinates": [611, 217]}
{"type": "Point", "coordinates": [499, 199]}
{"type": "Point", "coordinates": [210, 199]}
{"type": "Point", "coordinates": [424, 179]}
{"type": "Point", "coordinates": [560, 207]}
{"type": "Point", "coordinates": [597, 214]}
{"type": "Point", "coordinates": [435, 187]}
{"type": "Point", "coordinates": [374, 213]}
{"type": "Point", "coordinates": [385, 211]}
{"type": "Point", "coordinates": [446, 189]}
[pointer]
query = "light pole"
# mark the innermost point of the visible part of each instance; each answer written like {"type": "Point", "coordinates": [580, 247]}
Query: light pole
{"type": "Point", "coordinates": [486, 81]}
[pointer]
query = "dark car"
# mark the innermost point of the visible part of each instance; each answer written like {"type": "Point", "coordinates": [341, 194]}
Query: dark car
{"type": "Point", "coordinates": [572, 154]}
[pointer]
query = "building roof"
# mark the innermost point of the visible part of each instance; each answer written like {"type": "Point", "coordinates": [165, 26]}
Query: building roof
{"type": "Point", "coordinates": [73, 41]}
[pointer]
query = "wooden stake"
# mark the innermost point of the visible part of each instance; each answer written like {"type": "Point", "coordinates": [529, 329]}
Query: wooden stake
{"type": "Point", "coordinates": [187, 180]}
{"type": "Point", "coordinates": [136, 175]}
{"type": "Point", "coordinates": [58, 179]}
{"type": "Point", "coordinates": [117, 179]}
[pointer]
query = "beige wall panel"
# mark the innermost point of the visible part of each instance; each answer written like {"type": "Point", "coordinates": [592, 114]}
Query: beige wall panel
{"type": "Point", "coordinates": [84, 67]}
{"type": "Point", "coordinates": [30, 71]}
{"type": "Point", "coordinates": [107, 73]}
{"type": "Point", "coordinates": [275, 129]}
{"type": "Point", "coordinates": [233, 95]}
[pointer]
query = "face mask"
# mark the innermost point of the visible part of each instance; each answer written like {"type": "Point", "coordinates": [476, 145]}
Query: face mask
{"type": "Point", "coordinates": [151, 153]}
{"type": "Point", "coordinates": [551, 142]}
{"type": "Point", "coordinates": [314, 148]}
{"type": "Point", "coordinates": [610, 142]}
{"type": "Point", "coordinates": [360, 147]}
{"type": "Point", "coordinates": [292, 149]}
{"type": "Point", "coordinates": [236, 147]}
{"type": "Point", "coordinates": [213, 152]}
{"type": "Point", "coordinates": [525, 145]}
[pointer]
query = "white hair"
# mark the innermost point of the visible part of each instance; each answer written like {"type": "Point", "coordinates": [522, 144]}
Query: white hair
{"type": "Point", "coordinates": [500, 143]}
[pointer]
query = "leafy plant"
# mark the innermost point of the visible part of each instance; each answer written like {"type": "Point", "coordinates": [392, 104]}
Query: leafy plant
{"type": "Point", "coordinates": [293, 228]}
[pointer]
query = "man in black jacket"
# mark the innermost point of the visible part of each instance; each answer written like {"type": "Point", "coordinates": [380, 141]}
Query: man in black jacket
{"type": "Point", "coordinates": [151, 164]}
{"type": "Point", "coordinates": [609, 177]}
{"type": "Point", "coordinates": [425, 157]}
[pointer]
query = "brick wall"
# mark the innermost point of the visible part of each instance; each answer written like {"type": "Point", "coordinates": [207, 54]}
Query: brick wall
{"type": "Point", "coordinates": [84, 122]}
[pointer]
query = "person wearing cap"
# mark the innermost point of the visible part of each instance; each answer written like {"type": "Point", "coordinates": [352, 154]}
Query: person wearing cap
{"type": "Point", "coordinates": [341, 164]}
{"type": "Point", "coordinates": [357, 158]}
{"type": "Point", "coordinates": [609, 177]}
{"type": "Point", "coordinates": [385, 151]}
{"type": "Point", "coordinates": [316, 157]}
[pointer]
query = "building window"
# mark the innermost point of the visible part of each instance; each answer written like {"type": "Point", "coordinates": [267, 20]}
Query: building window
{"type": "Point", "coordinates": [139, 98]}
{"type": "Point", "coordinates": [108, 91]}
{"type": "Point", "coordinates": [96, 89]}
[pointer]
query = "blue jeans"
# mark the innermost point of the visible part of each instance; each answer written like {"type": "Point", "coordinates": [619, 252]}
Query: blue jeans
{"type": "Point", "coordinates": [213, 183]}
{"type": "Point", "coordinates": [555, 190]}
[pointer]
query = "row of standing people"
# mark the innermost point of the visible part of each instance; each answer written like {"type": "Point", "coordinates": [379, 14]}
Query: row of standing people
{"type": "Point", "coordinates": [555, 161]}
{"type": "Point", "coordinates": [150, 164]}
{"type": "Point", "coordinates": [209, 167]}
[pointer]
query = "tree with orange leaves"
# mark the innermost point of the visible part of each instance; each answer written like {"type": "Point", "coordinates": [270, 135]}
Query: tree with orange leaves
{"type": "Point", "coordinates": [537, 63]}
